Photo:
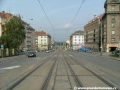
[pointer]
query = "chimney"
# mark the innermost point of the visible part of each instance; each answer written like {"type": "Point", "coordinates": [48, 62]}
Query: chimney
{"type": "Point", "coordinates": [3, 12]}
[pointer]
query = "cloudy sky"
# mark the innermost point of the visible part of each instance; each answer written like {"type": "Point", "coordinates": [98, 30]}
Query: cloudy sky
{"type": "Point", "coordinates": [60, 18]}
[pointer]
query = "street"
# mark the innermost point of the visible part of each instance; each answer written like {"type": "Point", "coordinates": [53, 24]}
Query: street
{"type": "Point", "coordinates": [59, 70]}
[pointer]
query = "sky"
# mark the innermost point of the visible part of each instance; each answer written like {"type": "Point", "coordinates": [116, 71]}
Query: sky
{"type": "Point", "coordinates": [60, 21]}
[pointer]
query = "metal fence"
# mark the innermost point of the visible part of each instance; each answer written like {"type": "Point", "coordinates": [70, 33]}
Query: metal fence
{"type": "Point", "coordinates": [10, 52]}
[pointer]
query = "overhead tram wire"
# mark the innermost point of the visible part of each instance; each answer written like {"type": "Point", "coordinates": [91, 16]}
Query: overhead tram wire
{"type": "Point", "coordinates": [76, 15]}
{"type": "Point", "coordinates": [46, 16]}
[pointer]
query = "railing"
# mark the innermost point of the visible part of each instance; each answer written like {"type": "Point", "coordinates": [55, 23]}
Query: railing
{"type": "Point", "coordinates": [8, 52]}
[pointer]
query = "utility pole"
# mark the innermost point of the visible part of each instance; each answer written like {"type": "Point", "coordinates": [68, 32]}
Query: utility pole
{"type": "Point", "coordinates": [119, 39]}
{"type": "Point", "coordinates": [101, 38]}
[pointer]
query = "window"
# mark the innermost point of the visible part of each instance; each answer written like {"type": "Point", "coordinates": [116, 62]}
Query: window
{"type": "Point", "coordinates": [113, 39]}
{"type": "Point", "coordinates": [113, 7]}
{"type": "Point", "coordinates": [113, 32]}
{"type": "Point", "coordinates": [113, 24]}
{"type": "Point", "coordinates": [44, 36]}
{"type": "Point", "coordinates": [113, 17]}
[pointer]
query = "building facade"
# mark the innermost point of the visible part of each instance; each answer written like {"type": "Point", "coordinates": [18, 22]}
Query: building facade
{"type": "Point", "coordinates": [92, 33]}
{"type": "Point", "coordinates": [29, 42]}
{"type": "Point", "coordinates": [77, 40]}
{"type": "Point", "coordinates": [111, 25]}
{"type": "Point", "coordinates": [43, 41]}
{"type": "Point", "coordinates": [4, 17]}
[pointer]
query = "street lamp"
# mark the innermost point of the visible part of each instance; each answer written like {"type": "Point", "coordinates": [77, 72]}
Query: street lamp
{"type": "Point", "coordinates": [101, 38]}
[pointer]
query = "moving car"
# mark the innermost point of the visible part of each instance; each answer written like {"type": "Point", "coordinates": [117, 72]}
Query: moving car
{"type": "Point", "coordinates": [47, 51]}
{"type": "Point", "coordinates": [31, 54]}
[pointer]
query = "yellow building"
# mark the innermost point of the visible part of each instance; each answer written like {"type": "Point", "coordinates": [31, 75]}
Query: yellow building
{"type": "Point", "coordinates": [43, 41]}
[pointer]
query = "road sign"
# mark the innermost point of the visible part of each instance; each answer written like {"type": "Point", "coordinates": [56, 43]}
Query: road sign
{"type": "Point", "coordinates": [2, 46]}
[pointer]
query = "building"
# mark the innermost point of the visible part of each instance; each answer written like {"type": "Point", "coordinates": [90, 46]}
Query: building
{"type": "Point", "coordinates": [43, 41]}
{"type": "Point", "coordinates": [92, 33]}
{"type": "Point", "coordinates": [77, 40]}
{"type": "Point", "coordinates": [4, 17]}
{"type": "Point", "coordinates": [29, 42]}
{"type": "Point", "coordinates": [111, 25]}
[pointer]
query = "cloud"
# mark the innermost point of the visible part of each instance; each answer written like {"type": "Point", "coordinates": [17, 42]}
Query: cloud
{"type": "Point", "coordinates": [68, 25]}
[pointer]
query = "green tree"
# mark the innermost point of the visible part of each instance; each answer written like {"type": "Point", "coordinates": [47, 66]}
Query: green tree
{"type": "Point", "coordinates": [14, 33]}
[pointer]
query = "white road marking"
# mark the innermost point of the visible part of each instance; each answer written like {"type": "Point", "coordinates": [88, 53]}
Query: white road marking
{"type": "Point", "coordinates": [14, 62]}
{"type": "Point", "coordinates": [12, 67]}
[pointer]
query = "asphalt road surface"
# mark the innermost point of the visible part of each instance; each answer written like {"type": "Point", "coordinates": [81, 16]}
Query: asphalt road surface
{"type": "Point", "coordinates": [59, 70]}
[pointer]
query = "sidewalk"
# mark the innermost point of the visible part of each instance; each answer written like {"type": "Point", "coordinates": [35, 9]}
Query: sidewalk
{"type": "Point", "coordinates": [12, 57]}
{"type": "Point", "coordinates": [104, 54]}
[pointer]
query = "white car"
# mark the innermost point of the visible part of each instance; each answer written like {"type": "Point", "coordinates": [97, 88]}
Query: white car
{"type": "Point", "coordinates": [47, 51]}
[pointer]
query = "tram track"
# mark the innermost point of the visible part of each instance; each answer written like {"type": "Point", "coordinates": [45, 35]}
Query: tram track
{"type": "Point", "coordinates": [77, 62]}
{"type": "Point", "coordinates": [59, 72]}
{"type": "Point", "coordinates": [23, 77]}
{"type": "Point", "coordinates": [46, 82]}
{"type": "Point", "coordinates": [78, 83]}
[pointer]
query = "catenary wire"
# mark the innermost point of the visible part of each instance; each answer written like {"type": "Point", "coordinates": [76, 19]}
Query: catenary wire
{"type": "Point", "coordinates": [75, 15]}
{"type": "Point", "coordinates": [46, 15]}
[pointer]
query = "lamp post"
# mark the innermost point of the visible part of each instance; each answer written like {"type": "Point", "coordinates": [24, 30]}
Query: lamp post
{"type": "Point", "coordinates": [101, 39]}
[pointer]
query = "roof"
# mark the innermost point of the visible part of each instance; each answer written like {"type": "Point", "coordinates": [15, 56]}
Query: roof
{"type": "Point", "coordinates": [40, 33]}
{"type": "Point", "coordinates": [99, 17]}
{"type": "Point", "coordinates": [96, 18]}
{"type": "Point", "coordinates": [80, 32]}
{"type": "Point", "coordinates": [6, 15]}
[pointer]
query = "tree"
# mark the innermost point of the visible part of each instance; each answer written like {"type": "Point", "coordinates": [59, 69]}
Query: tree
{"type": "Point", "coordinates": [14, 33]}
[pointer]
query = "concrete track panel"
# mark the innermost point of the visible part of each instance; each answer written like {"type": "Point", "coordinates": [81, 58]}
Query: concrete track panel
{"type": "Point", "coordinates": [36, 79]}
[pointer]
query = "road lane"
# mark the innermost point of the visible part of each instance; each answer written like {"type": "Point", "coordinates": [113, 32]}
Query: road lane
{"type": "Point", "coordinates": [8, 72]}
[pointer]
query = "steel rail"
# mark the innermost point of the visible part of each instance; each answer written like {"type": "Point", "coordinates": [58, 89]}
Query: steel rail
{"type": "Point", "coordinates": [46, 82]}
{"type": "Point", "coordinates": [28, 74]}
{"type": "Point", "coordinates": [78, 83]}
{"type": "Point", "coordinates": [55, 76]}
{"type": "Point", "coordinates": [67, 73]}
{"type": "Point", "coordinates": [98, 76]}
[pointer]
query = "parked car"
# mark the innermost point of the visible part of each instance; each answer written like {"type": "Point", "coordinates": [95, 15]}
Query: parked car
{"type": "Point", "coordinates": [31, 54]}
{"type": "Point", "coordinates": [88, 50]}
{"type": "Point", "coordinates": [81, 49]}
{"type": "Point", "coordinates": [116, 52]}
{"type": "Point", "coordinates": [47, 51]}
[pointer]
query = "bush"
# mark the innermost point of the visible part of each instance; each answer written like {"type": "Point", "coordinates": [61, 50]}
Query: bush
{"type": "Point", "coordinates": [114, 55]}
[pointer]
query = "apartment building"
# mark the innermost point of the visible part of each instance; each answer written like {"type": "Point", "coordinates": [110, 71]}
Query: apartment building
{"type": "Point", "coordinates": [29, 42]}
{"type": "Point", "coordinates": [77, 40]}
{"type": "Point", "coordinates": [43, 41]}
{"type": "Point", "coordinates": [111, 25]}
{"type": "Point", "coordinates": [92, 33]}
{"type": "Point", "coordinates": [4, 17]}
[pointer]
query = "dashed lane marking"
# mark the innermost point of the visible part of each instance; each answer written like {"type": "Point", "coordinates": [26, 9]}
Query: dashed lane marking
{"type": "Point", "coordinates": [12, 67]}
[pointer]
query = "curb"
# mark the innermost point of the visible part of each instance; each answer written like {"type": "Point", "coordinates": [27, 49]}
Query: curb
{"type": "Point", "coordinates": [103, 56]}
{"type": "Point", "coordinates": [12, 57]}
